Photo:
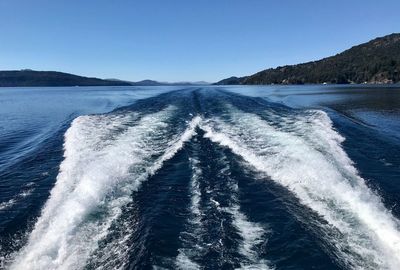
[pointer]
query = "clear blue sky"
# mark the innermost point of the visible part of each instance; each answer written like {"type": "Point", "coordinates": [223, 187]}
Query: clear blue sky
{"type": "Point", "coordinates": [183, 40]}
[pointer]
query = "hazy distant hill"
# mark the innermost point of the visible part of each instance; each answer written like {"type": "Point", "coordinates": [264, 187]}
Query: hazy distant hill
{"type": "Point", "coordinates": [157, 83]}
{"type": "Point", "coordinates": [50, 78]}
{"type": "Point", "coordinates": [21, 78]}
{"type": "Point", "coordinates": [147, 83]}
{"type": "Point", "coordinates": [231, 80]}
{"type": "Point", "coordinates": [377, 61]}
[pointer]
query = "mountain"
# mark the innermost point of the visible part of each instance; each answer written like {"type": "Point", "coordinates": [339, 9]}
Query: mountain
{"type": "Point", "coordinates": [231, 80]}
{"type": "Point", "coordinates": [51, 78]}
{"type": "Point", "coordinates": [377, 61]}
{"type": "Point", "coordinates": [157, 83]}
{"type": "Point", "coordinates": [27, 77]}
{"type": "Point", "coordinates": [147, 83]}
{"type": "Point", "coordinates": [200, 83]}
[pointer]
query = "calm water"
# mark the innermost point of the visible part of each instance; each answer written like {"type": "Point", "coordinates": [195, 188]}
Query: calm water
{"type": "Point", "coordinates": [295, 177]}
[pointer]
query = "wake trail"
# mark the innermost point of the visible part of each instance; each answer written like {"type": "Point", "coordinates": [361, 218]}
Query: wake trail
{"type": "Point", "coordinates": [217, 199]}
{"type": "Point", "coordinates": [304, 154]}
{"type": "Point", "coordinates": [106, 158]}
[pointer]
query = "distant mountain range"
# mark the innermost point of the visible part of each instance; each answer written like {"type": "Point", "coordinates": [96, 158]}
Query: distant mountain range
{"type": "Point", "coordinates": [157, 83]}
{"type": "Point", "coordinates": [26, 78]}
{"type": "Point", "coordinates": [377, 61]}
{"type": "Point", "coordinates": [50, 78]}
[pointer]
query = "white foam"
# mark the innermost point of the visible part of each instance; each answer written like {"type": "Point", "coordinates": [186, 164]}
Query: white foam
{"type": "Point", "coordinates": [195, 229]}
{"type": "Point", "coordinates": [304, 154]}
{"type": "Point", "coordinates": [106, 158]}
{"type": "Point", "coordinates": [11, 202]}
{"type": "Point", "coordinates": [251, 233]}
{"type": "Point", "coordinates": [184, 262]}
{"type": "Point", "coordinates": [195, 190]}
{"type": "Point", "coordinates": [7, 204]}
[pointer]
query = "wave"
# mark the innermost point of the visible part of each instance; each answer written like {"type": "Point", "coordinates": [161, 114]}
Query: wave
{"type": "Point", "coordinates": [205, 199]}
{"type": "Point", "coordinates": [252, 234]}
{"type": "Point", "coordinates": [27, 191]}
{"type": "Point", "coordinates": [106, 158]}
{"type": "Point", "coordinates": [195, 229]}
{"type": "Point", "coordinates": [303, 153]}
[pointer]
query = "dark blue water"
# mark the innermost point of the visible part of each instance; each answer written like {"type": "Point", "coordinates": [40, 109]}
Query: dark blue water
{"type": "Point", "coordinates": [200, 177]}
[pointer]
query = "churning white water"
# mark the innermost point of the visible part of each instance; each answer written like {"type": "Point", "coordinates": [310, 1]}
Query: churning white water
{"type": "Point", "coordinates": [303, 153]}
{"type": "Point", "coordinates": [106, 158]}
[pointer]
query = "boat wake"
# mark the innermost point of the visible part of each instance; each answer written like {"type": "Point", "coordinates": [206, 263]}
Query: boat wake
{"type": "Point", "coordinates": [108, 157]}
